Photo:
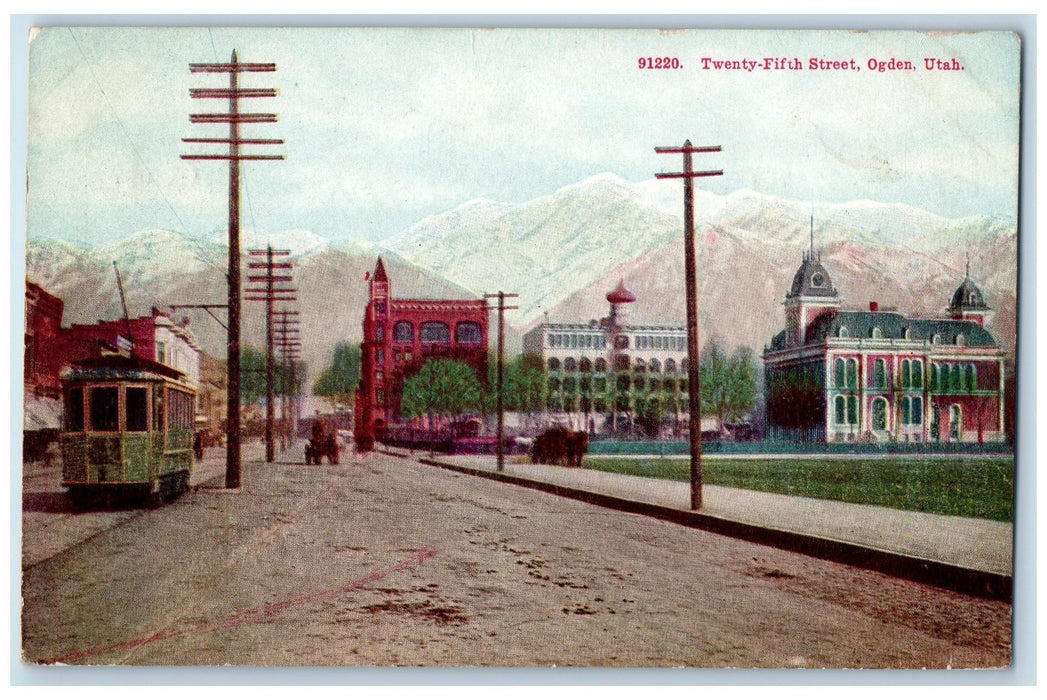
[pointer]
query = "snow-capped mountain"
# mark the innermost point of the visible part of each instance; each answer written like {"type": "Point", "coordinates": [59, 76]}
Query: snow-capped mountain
{"type": "Point", "coordinates": [562, 253]}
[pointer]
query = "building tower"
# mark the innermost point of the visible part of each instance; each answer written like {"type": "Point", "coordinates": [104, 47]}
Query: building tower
{"type": "Point", "coordinates": [968, 302]}
{"type": "Point", "coordinates": [811, 296]}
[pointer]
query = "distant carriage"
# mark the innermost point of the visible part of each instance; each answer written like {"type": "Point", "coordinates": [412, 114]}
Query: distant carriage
{"type": "Point", "coordinates": [324, 443]}
{"type": "Point", "coordinates": [560, 446]}
{"type": "Point", "coordinates": [128, 430]}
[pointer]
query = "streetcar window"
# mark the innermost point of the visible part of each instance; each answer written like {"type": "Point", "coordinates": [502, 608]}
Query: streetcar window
{"type": "Point", "coordinates": [137, 403]}
{"type": "Point", "coordinates": [74, 414]}
{"type": "Point", "coordinates": [105, 408]}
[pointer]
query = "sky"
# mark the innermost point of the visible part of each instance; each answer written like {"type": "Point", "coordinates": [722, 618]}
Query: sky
{"type": "Point", "coordinates": [384, 127]}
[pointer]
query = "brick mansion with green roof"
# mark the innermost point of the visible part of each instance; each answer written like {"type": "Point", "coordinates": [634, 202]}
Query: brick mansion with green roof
{"type": "Point", "coordinates": [843, 376]}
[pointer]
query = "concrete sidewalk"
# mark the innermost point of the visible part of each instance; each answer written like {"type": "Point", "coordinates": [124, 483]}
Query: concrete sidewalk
{"type": "Point", "coordinates": [957, 548]}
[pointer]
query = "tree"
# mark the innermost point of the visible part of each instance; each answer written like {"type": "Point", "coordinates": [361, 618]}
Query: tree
{"type": "Point", "coordinates": [442, 387]}
{"type": "Point", "coordinates": [728, 382]}
{"type": "Point", "coordinates": [340, 379]}
{"type": "Point", "coordinates": [252, 375]}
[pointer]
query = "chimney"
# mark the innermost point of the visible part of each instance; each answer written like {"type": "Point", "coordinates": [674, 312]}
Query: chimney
{"type": "Point", "coordinates": [874, 306]}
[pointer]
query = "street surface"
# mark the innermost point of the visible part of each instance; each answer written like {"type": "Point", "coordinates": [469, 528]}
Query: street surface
{"type": "Point", "coordinates": [381, 561]}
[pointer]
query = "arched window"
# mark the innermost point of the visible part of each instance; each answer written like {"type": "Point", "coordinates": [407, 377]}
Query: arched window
{"type": "Point", "coordinates": [960, 340]}
{"type": "Point", "coordinates": [972, 378]}
{"type": "Point", "coordinates": [655, 366]}
{"type": "Point", "coordinates": [638, 383]}
{"type": "Point", "coordinates": [639, 365]}
{"type": "Point", "coordinates": [957, 378]}
{"type": "Point", "coordinates": [879, 413]}
{"type": "Point", "coordinates": [468, 333]}
{"type": "Point", "coordinates": [435, 332]}
{"type": "Point", "coordinates": [621, 342]}
{"type": "Point", "coordinates": [379, 332]}
{"type": "Point", "coordinates": [936, 338]}
{"type": "Point", "coordinates": [621, 363]}
{"type": "Point", "coordinates": [877, 333]}
{"type": "Point", "coordinates": [906, 374]}
{"type": "Point", "coordinates": [916, 414]}
{"type": "Point", "coordinates": [841, 410]}
{"type": "Point", "coordinates": [905, 407]}
{"type": "Point", "coordinates": [852, 373]}
{"type": "Point", "coordinates": [934, 378]}
{"type": "Point", "coordinates": [843, 332]}
{"type": "Point", "coordinates": [880, 373]}
{"type": "Point", "coordinates": [585, 365]}
{"type": "Point", "coordinates": [554, 384]}
{"type": "Point", "coordinates": [403, 332]}
{"type": "Point", "coordinates": [917, 374]}
{"type": "Point", "coordinates": [955, 422]}
{"type": "Point", "coordinates": [852, 410]}
{"type": "Point", "coordinates": [601, 364]}
{"type": "Point", "coordinates": [569, 365]}
{"type": "Point", "coordinates": [670, 366]}
{"type": "Point", "coordinates": [553, 364]}
{"type": "Point", "coordinates": [936, 422]}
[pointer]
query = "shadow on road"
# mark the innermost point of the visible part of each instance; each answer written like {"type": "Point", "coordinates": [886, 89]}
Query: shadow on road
{"type": "Point", "coordinates": [47, 502]}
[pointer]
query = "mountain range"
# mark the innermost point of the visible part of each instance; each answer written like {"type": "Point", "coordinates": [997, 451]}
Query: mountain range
{"type": "Point", "coordinates": [562, 253]}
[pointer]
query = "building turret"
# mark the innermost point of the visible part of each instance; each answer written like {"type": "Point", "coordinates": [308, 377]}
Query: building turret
{"type": "Point", "coordinates": [968, 302]}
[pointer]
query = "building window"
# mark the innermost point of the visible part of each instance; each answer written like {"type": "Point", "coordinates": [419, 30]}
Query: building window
{"type": "Point", "coordinates": [960, 340]}
{"type": "Point", "coordinates": [379, 357]}
{"type": "Point", "coordinates": [936, 338]}
{"type": "Point", "coordinates": [379, 397]}
{"type": "Point", "coordinates": [403, 332]}
{"type": "Point", "coordinates": [569, 365]}
{"type": "Point", "coordinates": [916, 415]}
{"type": "Point", "coordinates": [621, 342]}
{"type": "Point", "coordinates": [840, 374]}
{"type": "Point", "coordinates": [957, 378]}
{"type": "Point", "coordinates": [852, 410]}
{"type": "Point", "coordinates": [879, 413]}
{"type": "Point", "coordinates": [936, 419]}
{"type": "Point", "coordinates": [877, 334]}
{"type": "Point", "coordinates": [932, 381]}
{"type": "Point", "coordinates": [841, 410]}
{"type": "Point", "coordinates": [379, 307]}
{"type": "Point", "coordinates": [852, 373]}
{"type": "Point", "coordinates": [585, 365]}
{"type": "Point", "coordinates": [468, 333]}
{"type": "Point", "coordinates": [880, 374]}
{"type": "Point", "coordinates": [161, 353]}
{"type": "Point", "coordinates": [601, 365]}
{"type": "Point", "coordinates": [917, 374]}
{"type": "Point", "coordinates": [554, 364]}
{"type": "Point", "coordinates": [906, 373]}
{"type": "Point", "coordinates": [433, 332]}
{"type": "Point", "coordinates": [379, 333]}
{"type": "Point", "coordinates": [621, 363]}
{"type": "Point", "coordinates": [955, 422]}
{"type": "Point", "coordinates": [670, 366]}
{"type": "Point", "coordinates": [843, 333]}
{"type": "Point", "coordinates": [655, 366]}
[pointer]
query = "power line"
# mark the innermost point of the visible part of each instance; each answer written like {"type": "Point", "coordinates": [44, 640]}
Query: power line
{"type": "Point", "coordinates": [134, 148]}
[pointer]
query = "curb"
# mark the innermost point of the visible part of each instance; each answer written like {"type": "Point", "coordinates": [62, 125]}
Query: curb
{"type": "Point", "coordinates": [960, 579]}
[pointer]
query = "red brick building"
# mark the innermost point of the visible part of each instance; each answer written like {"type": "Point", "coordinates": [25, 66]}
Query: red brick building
{"type": "Point", "coordinates": [399, 336]}
{"type": "Point", "coordinates": [834, 375]}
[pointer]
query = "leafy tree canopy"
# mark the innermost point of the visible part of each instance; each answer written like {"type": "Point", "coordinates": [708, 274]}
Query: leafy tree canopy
{"type": "Point", "coordinates": [442, 387]}
{"type": "Point", "coordinates": [340, 379]}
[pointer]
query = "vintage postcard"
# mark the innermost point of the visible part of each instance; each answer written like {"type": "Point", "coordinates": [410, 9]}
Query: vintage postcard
{"type": "Point", "coordinates": [526, 348]}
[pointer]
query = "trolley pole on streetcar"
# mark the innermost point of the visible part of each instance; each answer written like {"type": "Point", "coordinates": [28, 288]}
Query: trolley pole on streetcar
{"type": "Point", "coordinates": [502, 308]}
{"type": "Point", "coordinates": [694, 385]}
{"type": "Point", "coordinates": [234, 118]}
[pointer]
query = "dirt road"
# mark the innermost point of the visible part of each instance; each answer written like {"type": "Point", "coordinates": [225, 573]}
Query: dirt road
{"type": "Point", "coordinates": [385, 562]}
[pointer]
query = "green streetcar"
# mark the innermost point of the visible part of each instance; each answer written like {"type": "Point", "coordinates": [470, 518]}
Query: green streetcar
{"type": "Point", "coordinates": [127, 432]}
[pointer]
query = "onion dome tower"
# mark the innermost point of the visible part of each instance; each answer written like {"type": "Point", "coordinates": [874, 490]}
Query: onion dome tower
{"type": "Point", "coordinates": [968, 302]}
{"type": "Point", "coordinates": [618, 299]}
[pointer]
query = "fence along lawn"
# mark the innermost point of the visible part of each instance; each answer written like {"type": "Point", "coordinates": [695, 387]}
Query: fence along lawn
{"type": "Point", "coordinates": [971, 488]}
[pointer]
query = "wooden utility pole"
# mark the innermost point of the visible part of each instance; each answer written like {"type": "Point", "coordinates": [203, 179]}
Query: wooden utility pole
{"type": "Point", "coordinates": [234, 117]}
{"type": "Point", "coordinates": [287, 340]}
{"type": "Point", "coordinates": [502, 308]}
{"type": "Point", "coordinates": [270, 294]}
{"type": "Point", "coordinates": [694, 384]}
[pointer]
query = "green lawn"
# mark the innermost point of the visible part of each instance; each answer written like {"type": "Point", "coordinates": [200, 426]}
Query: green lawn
{"type": "Point", "coordinates": [974, 488]}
